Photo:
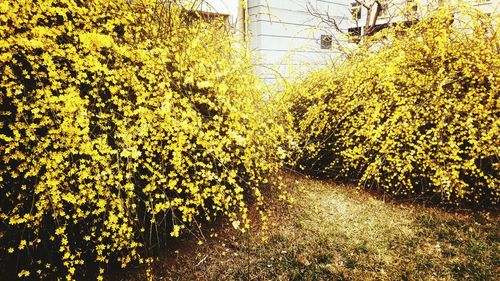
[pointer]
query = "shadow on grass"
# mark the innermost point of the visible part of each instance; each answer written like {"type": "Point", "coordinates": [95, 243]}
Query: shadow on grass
{"type": "Point", "coordinates": [335, 232]}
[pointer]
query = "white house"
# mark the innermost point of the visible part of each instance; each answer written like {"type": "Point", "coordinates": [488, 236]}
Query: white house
{"type": "Point", "coordinates": [288, 37]}
{"type": "Point", "coordinates": [369, 16]}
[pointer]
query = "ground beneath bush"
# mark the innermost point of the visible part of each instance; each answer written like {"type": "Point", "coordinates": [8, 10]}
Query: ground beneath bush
{"type": "Point", "coordinates": [334, 232]}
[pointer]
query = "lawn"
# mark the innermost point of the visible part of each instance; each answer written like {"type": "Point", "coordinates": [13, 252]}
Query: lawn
{"type": "Point", "coordinates": [335, 232]}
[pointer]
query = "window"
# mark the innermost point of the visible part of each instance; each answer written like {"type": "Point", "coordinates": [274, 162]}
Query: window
{"type": "Point", "coordinates": [356, 11]}
{"type": "Point", "coordinates": [354, 34]}
{"type": "Point", "coordinates": [326, 41]}
{"type": "Point", "coordinates": [379, 27]}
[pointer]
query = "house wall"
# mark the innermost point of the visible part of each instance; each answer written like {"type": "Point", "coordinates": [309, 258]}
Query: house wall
{"type": "Point", "coordinates": [285, 36]}
{"type": "Point", "coordinates": [397, 7]}
{"type": "Point", "coordinates": [226, 7]}
{"type": "Point", "coordinates": [233, 8]}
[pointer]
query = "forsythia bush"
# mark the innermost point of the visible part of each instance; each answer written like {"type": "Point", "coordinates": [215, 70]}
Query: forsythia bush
{"type": "Point", "coordinates": [412, 111]}
{"type": "Point", "coordinates": [121, 123]}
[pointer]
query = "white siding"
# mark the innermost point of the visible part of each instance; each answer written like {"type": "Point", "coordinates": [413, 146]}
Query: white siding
{"type": "Point", "coordinates": [285, 36]}
{"type": "Point", "coordinates": [396, 8]}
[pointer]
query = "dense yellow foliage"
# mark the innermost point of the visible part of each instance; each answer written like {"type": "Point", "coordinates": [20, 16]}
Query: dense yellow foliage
{"type": "Point", "coordinates": [121, 123]}
{"type": "Point", "coordinates": [411, 111]}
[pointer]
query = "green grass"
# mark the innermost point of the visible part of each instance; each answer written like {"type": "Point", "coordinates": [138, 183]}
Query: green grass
{"type": "Point", "coordinates": [335, 232]}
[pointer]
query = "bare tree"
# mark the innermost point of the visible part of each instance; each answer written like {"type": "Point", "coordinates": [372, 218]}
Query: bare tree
{"type": "Point", "coordinates": [367, 23]}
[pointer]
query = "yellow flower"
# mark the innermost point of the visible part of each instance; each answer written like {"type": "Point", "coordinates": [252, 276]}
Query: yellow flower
{"type": "Point", "coordinates": [236, 224]}
{"type": "Point", "coordinates": [23, 273]}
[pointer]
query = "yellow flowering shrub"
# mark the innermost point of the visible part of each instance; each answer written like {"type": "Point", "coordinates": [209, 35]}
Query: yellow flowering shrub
{"type": "Point", "coordinates": [412, 111]}
{"type": "Point", "coordinates": [122, 122]}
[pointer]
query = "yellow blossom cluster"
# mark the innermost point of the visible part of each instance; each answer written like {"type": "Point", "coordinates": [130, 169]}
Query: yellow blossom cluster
{"type": "Point", "coordinates": [122, 122]}
{"type": "Point", "coordinates": [413, 110]}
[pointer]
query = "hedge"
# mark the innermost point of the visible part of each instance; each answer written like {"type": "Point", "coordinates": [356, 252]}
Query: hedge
{"type": "Point", "coordinates": [412, 111]}
{"type": "Point", "coordinates": [122, 123]}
